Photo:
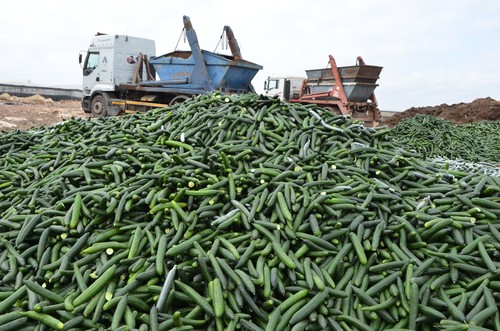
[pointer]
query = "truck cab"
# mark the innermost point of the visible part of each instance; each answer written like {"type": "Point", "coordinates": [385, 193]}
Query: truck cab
{"type": "Point", "coordinates": [286, 88]}
{"type": "Point", "coordinates": [110, 60]}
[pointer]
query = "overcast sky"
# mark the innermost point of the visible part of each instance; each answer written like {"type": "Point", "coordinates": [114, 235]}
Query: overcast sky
{"type": "Point", "coordinates": [433, 52]}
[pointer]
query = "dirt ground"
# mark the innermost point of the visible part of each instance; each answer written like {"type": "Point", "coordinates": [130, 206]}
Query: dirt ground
{"type": "Point", "coordinates": [478, 110]}
{"type": "Point", "coordinates": [36, 111]}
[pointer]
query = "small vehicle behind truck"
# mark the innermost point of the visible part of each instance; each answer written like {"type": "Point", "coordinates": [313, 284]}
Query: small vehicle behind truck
{"type": "Point", "coordinates": [123, 74]}
{"type": "Point", "coordinates": [344, 90]}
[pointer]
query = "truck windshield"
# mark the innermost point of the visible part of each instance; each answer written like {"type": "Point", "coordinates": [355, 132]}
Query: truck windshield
{"type": "Point", "coordinates": [91, 62]}
{"type": "Point", "coordinates": [273, 84]}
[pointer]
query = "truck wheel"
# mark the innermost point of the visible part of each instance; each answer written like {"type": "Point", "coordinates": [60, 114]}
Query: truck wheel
{"type": "Point", "coordinates": [178, 99]}
{"type": "Point", "coordinates": [99, 107]}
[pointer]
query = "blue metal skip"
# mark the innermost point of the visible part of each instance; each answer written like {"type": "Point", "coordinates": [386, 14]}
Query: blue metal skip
{"type": "Point", "coordinates": [225, 72]}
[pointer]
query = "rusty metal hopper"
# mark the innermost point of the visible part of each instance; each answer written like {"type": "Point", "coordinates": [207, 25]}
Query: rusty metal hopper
{"type": "Point", "coordinates": [358, 81]}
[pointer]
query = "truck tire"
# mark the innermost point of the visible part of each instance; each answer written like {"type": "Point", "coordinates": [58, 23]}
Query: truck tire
{"type": "Point", "coordinates": [178, 99]}
{"type": "Point", "coordinates": [99, 106]}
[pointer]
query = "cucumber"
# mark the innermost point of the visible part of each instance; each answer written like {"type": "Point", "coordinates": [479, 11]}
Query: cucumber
{"type": "Point", "coordinates": [241, 211]}
{"type": "Point", "coordinates": [96, 287]}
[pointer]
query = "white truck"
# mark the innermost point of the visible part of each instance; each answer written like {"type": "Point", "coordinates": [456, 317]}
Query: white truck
{"type": "Point", "coordinates": [111, 61]}
{"type": "Point", "coordinates": [285, 88]}
{"type": "Point", "coordinates": [123, 73]}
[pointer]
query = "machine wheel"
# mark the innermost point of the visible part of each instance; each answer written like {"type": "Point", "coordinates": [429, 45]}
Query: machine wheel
{"type": "Point", "coordinates": [178, 99]}
{"type": "Point", "coordinates": [99, 106]}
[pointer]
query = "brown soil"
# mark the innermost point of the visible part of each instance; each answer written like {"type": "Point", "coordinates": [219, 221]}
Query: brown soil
{"type": "Point", "coordinates": [35, 111]}
{"type": "Point", "coordinates": [478, 110]}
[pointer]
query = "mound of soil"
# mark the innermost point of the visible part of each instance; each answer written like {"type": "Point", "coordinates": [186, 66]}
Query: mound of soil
{"type": "Point", "coordinates": [476, 111]}
{"type": "Point", "coordinates": [34, 111]}
{"type": "Point", "coordinates": [31, 100]}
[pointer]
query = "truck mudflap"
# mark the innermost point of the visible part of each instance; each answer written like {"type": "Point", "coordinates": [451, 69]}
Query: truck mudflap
{"type": "Point", "coordinates": [86, 105]}
{"type": "Point", "coordinates": [114, 109]}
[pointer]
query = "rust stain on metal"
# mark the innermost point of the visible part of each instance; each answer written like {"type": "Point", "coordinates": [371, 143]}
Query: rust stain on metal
{"type": "Point", "coordinates": [180, 54]}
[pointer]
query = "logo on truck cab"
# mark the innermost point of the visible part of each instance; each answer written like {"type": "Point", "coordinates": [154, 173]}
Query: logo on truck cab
{"type": "Point", "coordinates": [131, 59]}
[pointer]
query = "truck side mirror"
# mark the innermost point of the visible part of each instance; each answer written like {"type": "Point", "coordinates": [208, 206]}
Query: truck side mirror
{"type": "Point", "coordinates": [80, 58]}
{"type": "Point", "coordinates": [265, 85]}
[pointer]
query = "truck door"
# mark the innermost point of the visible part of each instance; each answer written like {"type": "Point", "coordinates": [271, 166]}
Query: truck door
{"type": "Point", "coordinates": [91, 72]}
{"type": "Point", "coordinates": [274, 87]}
{"type": "Point", "coordinates": [286, 90]}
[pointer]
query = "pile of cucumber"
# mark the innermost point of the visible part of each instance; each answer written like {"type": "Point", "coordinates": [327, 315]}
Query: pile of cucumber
{"type": "Point", "coordinates": [435, 137]}
{"type": "Point", "coordinates": [241, 213]}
